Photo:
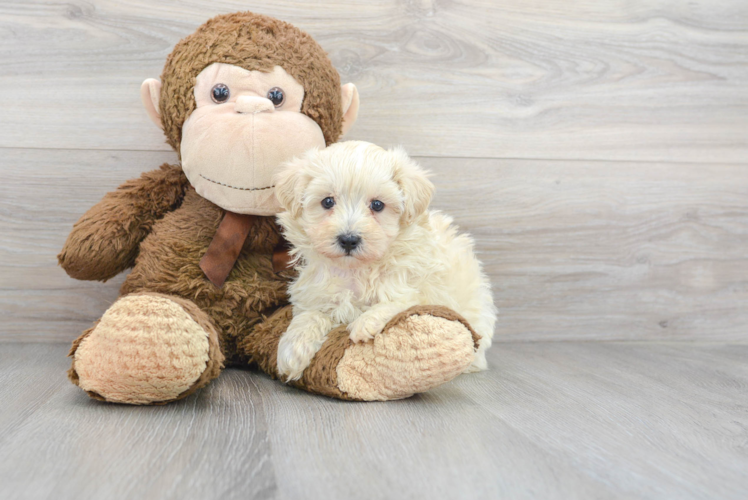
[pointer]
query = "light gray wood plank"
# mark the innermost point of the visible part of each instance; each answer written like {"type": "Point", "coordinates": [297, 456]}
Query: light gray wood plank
{"type": "Point", "coordinates": [213, 445]}
{"type": "Point", "coordinates": [642, 80]}
{"type": "Point", "coordinates": [30, 375]}
{"type": "Point", "coordinates": [620, 412]}
{"type": "Point", "coordinates": [549, 420]}
{"type": "Point", "coordinates": [436, 446]}
{"type": "Point", "coordinates": [567, 420]}
{"type": "Point", "coordinates": [591, 250]}
{"type": "Point", "coordinates": [575, 250]}
{"type": "Point", "coordinates": [43, 194]}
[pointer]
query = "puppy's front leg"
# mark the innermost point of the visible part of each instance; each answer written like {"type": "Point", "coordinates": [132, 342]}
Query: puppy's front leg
{"type": "Point", "coordinates": [301, 341]}
{"type": "Point", "coordinates": [374, 320]}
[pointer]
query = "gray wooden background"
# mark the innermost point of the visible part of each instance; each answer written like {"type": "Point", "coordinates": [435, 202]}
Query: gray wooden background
{"type": "Point", "coordinates": [598, 151]}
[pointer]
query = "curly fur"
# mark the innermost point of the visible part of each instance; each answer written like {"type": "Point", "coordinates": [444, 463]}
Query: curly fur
{"type": "Point", "coordinates": [405, 257]}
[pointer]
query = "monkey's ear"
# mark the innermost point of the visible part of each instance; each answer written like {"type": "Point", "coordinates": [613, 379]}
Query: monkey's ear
{"type": "Point", "coordinates": [414, 183]}
{"type": "Point", "coordinates": [150, 91]}
{"type": "Point", "coordinates": [350, 106]}
{"type": "Point", "coordinates": [290, 182]}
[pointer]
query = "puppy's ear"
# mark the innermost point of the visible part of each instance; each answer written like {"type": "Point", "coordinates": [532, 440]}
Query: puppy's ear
{"type": "Point", "coordinates": [415, 184]}
{"type": "Point", "coordinates": [290, 182]}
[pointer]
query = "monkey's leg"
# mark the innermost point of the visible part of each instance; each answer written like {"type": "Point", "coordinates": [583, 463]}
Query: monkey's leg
{"type": "Point", "coordinates": [418, 350]}
{"type": "Point", "coordinates": [148, 348]}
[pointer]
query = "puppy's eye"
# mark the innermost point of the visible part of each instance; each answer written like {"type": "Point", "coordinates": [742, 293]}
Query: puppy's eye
{"type": "Point", "coordinates": [219, 93]}
{"type": "Point", "coordinates": [276, 96]}
{"type": "Point", "coordinates": [328, 203]}
{"type": "Point", "coordinates": [377, 206]}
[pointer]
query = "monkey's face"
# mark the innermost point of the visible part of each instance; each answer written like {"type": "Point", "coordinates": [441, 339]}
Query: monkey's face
{"type": "Point", "coordinates": [245, 125]}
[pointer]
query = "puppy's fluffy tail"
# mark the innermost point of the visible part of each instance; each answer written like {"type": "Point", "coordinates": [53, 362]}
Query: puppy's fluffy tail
{"type": "Point", "coordinates": [469, 284]}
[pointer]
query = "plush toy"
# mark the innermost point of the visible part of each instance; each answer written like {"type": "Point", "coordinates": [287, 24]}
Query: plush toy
{"type": "Point", "coordinates": [238, 97]}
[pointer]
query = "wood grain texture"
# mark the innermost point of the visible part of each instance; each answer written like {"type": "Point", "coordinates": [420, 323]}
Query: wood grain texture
{"type": "Point", "coordinates": [607, 193]}
{"type": "Point", "coordinates": [548, 421]}
{"type": "Point", "coordinates": [658, 80]}
{"type": "Point", "coordinates": [68, 448]}
{"type": "Point", "coordinates": [575, 250]}
{"type": "Point", "coordinates": [44, 192]}
{"type": "Point", "coordinates": [609, 251]}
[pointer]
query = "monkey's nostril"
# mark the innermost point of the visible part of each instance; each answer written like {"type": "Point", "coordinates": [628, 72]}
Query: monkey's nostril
{"type": "Point", "coordinates": [349, 242]}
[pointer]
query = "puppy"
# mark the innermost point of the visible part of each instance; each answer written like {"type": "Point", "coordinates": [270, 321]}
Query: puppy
{"type": "Point", "coordinates": [367, 248]}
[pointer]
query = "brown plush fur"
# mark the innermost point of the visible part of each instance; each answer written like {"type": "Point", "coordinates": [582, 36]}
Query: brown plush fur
{"type": "Point", "coordinates": [169, 264]}
{"type": "Point", "coordinates": [161, 227]}
{"type": "Point", "coordinates": [253, 42]}
{"type": "Point", "coordinates": [250, 312]}
{"type": "Point", "coordinates": [158, 225]}
{"type": "Point", "coordinates": [321, 375]}
{"type": "Point", "coordinates": [112, 229]}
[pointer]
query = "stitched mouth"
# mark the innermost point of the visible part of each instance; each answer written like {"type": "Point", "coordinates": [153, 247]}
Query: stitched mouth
{"type": "Point", "coordinates": [235, 187]}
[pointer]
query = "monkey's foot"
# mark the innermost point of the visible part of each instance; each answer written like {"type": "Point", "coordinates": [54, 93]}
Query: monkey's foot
{"type": "Point", "coordinates": [147, 349]}
{"type": "Point", "coordinates": [419, 349]}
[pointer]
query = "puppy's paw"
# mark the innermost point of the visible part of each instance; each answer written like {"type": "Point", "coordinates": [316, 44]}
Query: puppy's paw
{"type": "Point", "coordinates": [294, 355]}
{"type": "Point", "coordinates": [366, 326]}
{"type": "Point", "coordinates": [298, 346]}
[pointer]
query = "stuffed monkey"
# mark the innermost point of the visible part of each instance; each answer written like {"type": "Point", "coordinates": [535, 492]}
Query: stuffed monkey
{"type": "Point", "coordinates": [238, 97]}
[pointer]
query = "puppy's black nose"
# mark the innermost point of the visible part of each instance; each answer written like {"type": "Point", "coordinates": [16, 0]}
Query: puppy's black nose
{"type": "Point", "coordinates": [349, 242]}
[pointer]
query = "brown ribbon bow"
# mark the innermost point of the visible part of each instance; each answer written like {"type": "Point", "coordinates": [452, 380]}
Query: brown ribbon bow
{"type": "Point", "coordinates": [227, 244]}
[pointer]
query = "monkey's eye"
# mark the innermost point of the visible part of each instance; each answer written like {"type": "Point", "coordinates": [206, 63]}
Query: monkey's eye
{"type": "Point", "coordinates": [219, 93]}
{"type": "Point", "coordinates": [276, 96]}
{"type": "Point", "coordinates": [377, 206]}
{"type": "Point", "coordinates": [328, 203]}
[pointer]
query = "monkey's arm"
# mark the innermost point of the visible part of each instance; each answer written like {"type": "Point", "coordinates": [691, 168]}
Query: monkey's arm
{"type": "Point", "coordinates": [104, 242]}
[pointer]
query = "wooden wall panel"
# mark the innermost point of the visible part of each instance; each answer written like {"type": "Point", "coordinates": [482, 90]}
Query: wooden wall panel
{"type": "Point", "coordinates": [575, 250]}
{"type": "Point", "coordinates": [650, 80]}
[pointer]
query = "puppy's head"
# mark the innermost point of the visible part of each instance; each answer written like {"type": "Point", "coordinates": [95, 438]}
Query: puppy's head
{"type": "Point", "coordinates": [348, 202]}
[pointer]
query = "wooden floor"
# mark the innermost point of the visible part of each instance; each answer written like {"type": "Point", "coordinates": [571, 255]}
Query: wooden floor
{"type": "Point", "coordinates": [550, 420]}
{"type": "Point", "coordinates": [597, 151]}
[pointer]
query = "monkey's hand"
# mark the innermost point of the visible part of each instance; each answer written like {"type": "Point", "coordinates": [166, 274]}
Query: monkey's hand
{"type": "Point", "coordinates": [104, 242]}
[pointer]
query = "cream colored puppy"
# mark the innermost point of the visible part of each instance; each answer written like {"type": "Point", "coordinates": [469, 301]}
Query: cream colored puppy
{"type": "Point", "coordinates": [366, 248]}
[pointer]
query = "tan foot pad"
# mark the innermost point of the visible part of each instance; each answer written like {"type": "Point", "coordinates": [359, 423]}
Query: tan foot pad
{"type": "Point", "coordinates": [415, 353]}
{"type": "Point", "coordinates": [146, 349]}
